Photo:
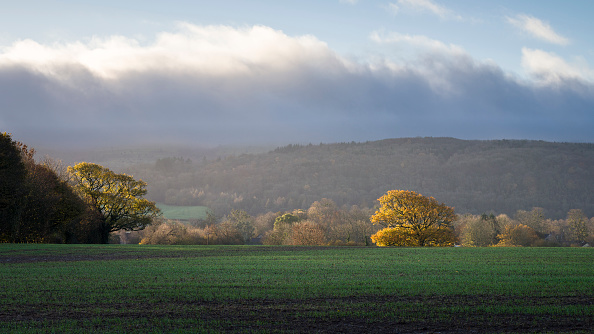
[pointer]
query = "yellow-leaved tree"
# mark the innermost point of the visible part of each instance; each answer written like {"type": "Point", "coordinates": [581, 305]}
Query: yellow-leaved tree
{"type": "Point", "coordinates": [517, 235]}
{"type": "Point", "coordinates": [411, 219]}
{"type": "Point", "coordinates": [117, 198]}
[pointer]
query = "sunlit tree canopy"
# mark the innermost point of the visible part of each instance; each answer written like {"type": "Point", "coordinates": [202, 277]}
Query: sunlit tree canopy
{"type": "Point", "coordinates": [412, 219]}
{"type": "Point", "coordinates": [117, 197]}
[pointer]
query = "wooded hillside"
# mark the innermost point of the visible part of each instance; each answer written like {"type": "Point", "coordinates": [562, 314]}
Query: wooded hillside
{"type": "Point", "coordinates": [500, 176]}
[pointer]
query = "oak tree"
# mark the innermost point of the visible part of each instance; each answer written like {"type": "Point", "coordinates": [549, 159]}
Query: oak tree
{"type": "Point", "coordinates": [413, 220]}
{"type": "Point", "coordinates": [118, 198]}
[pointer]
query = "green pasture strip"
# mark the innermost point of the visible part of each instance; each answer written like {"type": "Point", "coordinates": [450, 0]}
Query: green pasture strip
{"type": "Point", "coordinates": [124, 287]}
{"type": "Point", "coordinates": [232, 272]}
{"type": "Point", "coordinates": [182, 212]}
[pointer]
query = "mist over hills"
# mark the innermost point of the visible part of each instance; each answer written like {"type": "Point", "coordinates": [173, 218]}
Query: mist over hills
{"type": "Point", "coordinates": [474, 176]}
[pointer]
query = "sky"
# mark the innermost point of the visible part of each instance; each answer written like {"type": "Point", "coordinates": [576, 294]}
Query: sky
{"type": "Point", "coordinates": [104, 73]}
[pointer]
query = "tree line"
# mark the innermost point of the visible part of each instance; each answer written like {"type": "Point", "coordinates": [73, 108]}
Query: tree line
{"type": "Point", "coordinates": [48, 203]}
{"type": "Point", "coordinates": [87, 203]}
{"type": "Point", "coordinates": [424, 222]}
{"type": "Point", "coordinates": [473, 176]}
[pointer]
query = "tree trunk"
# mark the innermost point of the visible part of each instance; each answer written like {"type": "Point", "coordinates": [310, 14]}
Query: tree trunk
{"type": "Point", "coordinates": [104, 231]}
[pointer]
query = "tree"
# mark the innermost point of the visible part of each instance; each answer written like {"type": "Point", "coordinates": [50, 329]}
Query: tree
{"type": "Point", "coordinates": [481, 231]}
{"type": "Point", "coordinates": [56, 166]}
{"type": "Point", "coordinates": [286, 219]}
{"type": "Point", "coordinates": [395, 236]}
{"type": "Point", "coordinates": [42, 206]}
{"type": "Point", "coordinates": [576, 223]}
{"type": "Point", "coordinates": [534, 219]}
{"type": "Point", "coordinates": [226, 233]}
{"type": "Point", "coordinates": [352, 227]}
{"type": "Point", "coordinates": [53, 213]}
{"type": "Point", "coordinates": [518, 235]}
{"type": "Point", "coordinates": [243, 223]}
{"type": "Point", "coordinates": [283, 228]}
{"type": "Point", "coordinates": [308, 233]}
{"type": "Point", "coordinates": [264, 222]}
{"type": "Point", "coordinates": [420, 220]}
{"type": "Point", "coordinates": [210, 219]}
{"type": "Point", "coordinates": [323, 212]}
{"type": "Point", "coordinates": [116, 197]}
{"type": "Point", "coordinates": [13, 175]}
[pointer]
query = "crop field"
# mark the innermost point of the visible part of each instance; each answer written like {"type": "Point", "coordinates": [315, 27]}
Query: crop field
{"type": "Point", "coordinates": [270, 289]}
{"type": "Point", "coordinates": [176, 212]}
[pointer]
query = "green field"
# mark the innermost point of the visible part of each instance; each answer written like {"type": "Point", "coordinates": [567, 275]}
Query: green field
{"type": "Point", "coordinates": [182, 212]}
{"type": "Point", "coordinates": [267, 289]}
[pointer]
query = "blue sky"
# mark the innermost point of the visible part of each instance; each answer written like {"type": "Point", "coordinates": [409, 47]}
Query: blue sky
{"type": "Point", "coordinates": [277, 72]}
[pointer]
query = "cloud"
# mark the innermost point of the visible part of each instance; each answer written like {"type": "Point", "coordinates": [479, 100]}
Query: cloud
{"type": "Point", "coordinates": [423, 6]}
{"type": "Point", "coordinates": [550, 68]}
{"type": "Point", "coordinates": [350, 2]}
{"type": "Point", "coordinates": [429, 50]}
{"type": "Point", "coordinates": [253, 85]}
{"type": "Point", "coordinates": [210, 49]}
{"type": "Point", "coordinates": [420, 41]}
{"type": "Point", "coordinates": [537, 28]}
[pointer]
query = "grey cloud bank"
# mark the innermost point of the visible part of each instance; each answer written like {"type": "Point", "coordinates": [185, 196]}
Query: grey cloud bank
{"type": "Point", "coordinates": [221, 85]}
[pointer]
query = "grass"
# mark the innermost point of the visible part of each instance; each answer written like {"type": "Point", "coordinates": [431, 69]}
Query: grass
{"type": "Point", "coordinates": [132, 288]}
{"type": "Point", "coordinates": [182, 212]}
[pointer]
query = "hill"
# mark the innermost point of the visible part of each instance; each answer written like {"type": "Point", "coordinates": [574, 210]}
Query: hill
{"type": "Point", "coordinates": [500, 176]}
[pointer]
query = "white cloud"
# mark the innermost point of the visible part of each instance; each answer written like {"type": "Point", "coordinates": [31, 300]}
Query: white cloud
{"type": "Point", "coordinates": [550, 68]}
{"type": "Point", "coordinates": [216, 50]}
{"type": "Point", "coordinates": [424, 43]}
{"type": "Point", "coordinates": [537, 28]}
{"type": "Point", "coordinates": [431, 59]}
{"type": "Point", "coordinates": [425, 6]}
{"type": "Point", "coordinates": [351, 2]}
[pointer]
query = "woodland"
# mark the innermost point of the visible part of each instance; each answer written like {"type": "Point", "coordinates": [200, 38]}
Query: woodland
{"type": "Point", "coordinates": [504, 193]}
{"type": "Point", "coordinates": [476, 177]}
{"type": "Point", "coordinates": [45, 202]}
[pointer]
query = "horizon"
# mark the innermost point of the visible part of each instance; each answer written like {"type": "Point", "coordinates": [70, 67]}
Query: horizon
{"type": "Point", "coordinates": [153, 152]}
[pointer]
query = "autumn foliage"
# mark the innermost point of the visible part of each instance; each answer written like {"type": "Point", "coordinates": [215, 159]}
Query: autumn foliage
{"type": "Point", "coordinates": [308, 233]}
{"type": "Point", "coordinates": [117, 198]}
{"type": "Point", "coordinates": [518, 235]}
{"type": "Point", "coordinates": [411, 219]}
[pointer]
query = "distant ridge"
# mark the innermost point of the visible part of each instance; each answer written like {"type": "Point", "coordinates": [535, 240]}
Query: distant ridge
{"type": "Point", "coordinates": [474, 176]}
